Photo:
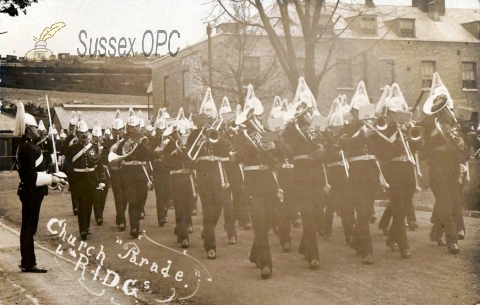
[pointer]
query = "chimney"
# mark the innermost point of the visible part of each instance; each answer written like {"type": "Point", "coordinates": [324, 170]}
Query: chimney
{"type": "Point", "coordinates": [423, 5]}
{"type": "Point", "coordinates": [369, 3]}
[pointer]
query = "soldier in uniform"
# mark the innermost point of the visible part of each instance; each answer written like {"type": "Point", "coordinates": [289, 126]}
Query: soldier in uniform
{"type": "Point", "coordinates": [85, 171]}
{"type": "Point", "coordinates": [161, 175]}
{"type": "Point", "coordinates": [309, 176]}
{"type": "Point", "coordinates": [118, 130]}
{"type": "Point", "coordinates": [45, 144]}
{"type": "Point", "coordinates": [144, 189]}
{"type": "Point", "coordinates": [182, 185]}
{"type": "Point", "coordinates": [69, 140]}
{"type": "Point", "coordinates": [101, 194]}
{"type": "Point", "coordinates": [260, 185]}
{"type": "Point", "coordinates": [209, 148]}
{"type": "Point", "coordinates": [33, 185]}
{"type": "Point", "coordinates": [133, 156]}
{"type": "Point", "coordinates": [365, 176]}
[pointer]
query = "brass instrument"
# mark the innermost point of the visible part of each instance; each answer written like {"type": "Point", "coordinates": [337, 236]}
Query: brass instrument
{"type": "Point", "coordinates": [381, 122]}
{"type": "Point", "coordinates": [207, 135]}
{"type": "Point", "coordinates": [415, 133]}
{"type": "Point", "coordinates": [309, 134]}
{"type": "Point", "coordinates": [94, 153]}
{"type": "Point", "coordinates": [115, 160]}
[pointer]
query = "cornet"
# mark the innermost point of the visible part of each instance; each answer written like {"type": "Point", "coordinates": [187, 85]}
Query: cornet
{"type": "Point", "coordinates": [381, 123]}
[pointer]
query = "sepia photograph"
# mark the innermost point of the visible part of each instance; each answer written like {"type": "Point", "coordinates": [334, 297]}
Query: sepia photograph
{"type": "Point", "coordinates": [267, 152]}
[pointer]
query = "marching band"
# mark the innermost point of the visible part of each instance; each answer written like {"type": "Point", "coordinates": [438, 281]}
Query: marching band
{"type": "Point", "coordinates": [261, 173]}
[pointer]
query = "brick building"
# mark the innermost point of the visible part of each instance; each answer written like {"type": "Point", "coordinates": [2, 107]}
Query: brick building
{"type": "Point", "coordinates": [382, 45]}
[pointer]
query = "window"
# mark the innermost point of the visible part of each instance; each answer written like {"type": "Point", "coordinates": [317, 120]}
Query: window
{"type": "Point", "coordinates": [428, 68]}
{"type": "Point", "coordinates": [325, 25]}
{"type": "Point", "coordinates": [407, 27]}
{"type": "Point", "coordinates": [386, 72]}
{"type": "Point", "coordinates": [469, 75]}
{"type": "Point", "coordinates": [184, 83]}
{"type": "Point", "coordinates": [251, 69]}
{"type": "Point", "coordinates": [300, 66]}
{"type": "Point", "coordinates": [3, 147]}
{"type": "Point", "coordinates": [369, 25]}
{"type": "Point", "coordinates": [344, 73]}
{"type": "Point", "coordinates": [165, 87]}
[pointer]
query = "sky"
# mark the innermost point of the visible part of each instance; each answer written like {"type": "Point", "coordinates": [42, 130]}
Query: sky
{"type": "Point", "coordinates": [130, 19]}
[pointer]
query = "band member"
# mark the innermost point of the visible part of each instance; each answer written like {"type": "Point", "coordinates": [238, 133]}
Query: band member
{"type": "Point", "coordinates": [161, 175]}
{"type": "Point", "coordinates": [45, 144]}
{"type": "Point", "coordinates": [101, 194]}
{"type": "Point", "coordinates": [182, 185]}
{"type": "Point", "coordinates": [337, 170]}
{"type": "Point", "coordinates": [69, 140]}
{"type": "Point", "coordinates": [260, 185]}
{"type": "Point", "coordinates": [33, 185]}
{"type": "Point", "coordinates": [443, 143]}
{"type": "Point", "coordinates": [118, 130]}
{"type": "Point", "coordinates": [85, 172]}
{"type": "Point", "coordinates": [209, 148]}
{"type": "Point", "coordinates": [359, 143]}
{"type": "Point", "coordinates": [398, 167]}
{"type": "Point", "coordinates": [309, 177]}
{"type": "Point", "coordinates": [144, 189]}
{"type": "Point", "coordinates": [132, 156]}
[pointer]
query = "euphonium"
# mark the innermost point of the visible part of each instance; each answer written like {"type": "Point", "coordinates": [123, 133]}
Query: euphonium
{"type": "Point", "coordinates": [128, 148]}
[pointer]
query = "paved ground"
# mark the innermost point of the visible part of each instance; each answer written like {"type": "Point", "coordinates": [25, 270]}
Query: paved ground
{"type": "Point", "coordinates": [431, 276]}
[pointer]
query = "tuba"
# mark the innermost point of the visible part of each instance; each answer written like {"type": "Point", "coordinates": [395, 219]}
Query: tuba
{"type": "Point", "coordinates": [115, 160]}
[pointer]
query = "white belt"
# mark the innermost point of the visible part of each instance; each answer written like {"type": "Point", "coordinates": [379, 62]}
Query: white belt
{"type": "Point", "coordinates": [261, 167]}
{"type": "Point", "coordinates": [339, 163]}
{"type": "Point", "coordinates": [302, 157]}
{"type": "Point", "coordinates": [362, 158]}
{"type": "Point", "coordinates": [288, 165]}
{"type": "Point", "coordinates": [211, 158]}
{"type": "Point", "coordinates": [442, 147]}
{"type": "Point", "coordinates": [401, 158]}
{"type": "Point", "coordinates": [84, 170]}
{"type": "Point", "coordinates": [180, 171]}
{"type": "Point", "coordinates": [135, 162]}
{"type": "Point", "coordinates": [157, 160]}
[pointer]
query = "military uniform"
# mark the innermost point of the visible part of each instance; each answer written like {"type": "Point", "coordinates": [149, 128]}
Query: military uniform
{"type": "Point", "coordinates": [66, 144]}
{"type": "Point", "coordinates": [101, 194]}
{"type": "Point", "coordinates": [161, 180]}
{"type": "Point", "coordinates": [84, 168]}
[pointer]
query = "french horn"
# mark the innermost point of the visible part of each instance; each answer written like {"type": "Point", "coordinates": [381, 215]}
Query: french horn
{"type": "Point", "coordinates": [115, 160]}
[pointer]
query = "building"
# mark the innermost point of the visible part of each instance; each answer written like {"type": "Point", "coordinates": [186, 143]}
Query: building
{"type": "Point", "coordinates": [382, 45]}
{"type": "Point", "coordinates": [8, 143]}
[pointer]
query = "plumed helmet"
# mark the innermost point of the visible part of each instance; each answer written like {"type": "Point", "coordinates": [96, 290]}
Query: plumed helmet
{"type": "Point", "coordinates": [182, 123]}
{"type": "Point", "coordinates": [148, 126]}
{"type": "Point", "coordinates": [238, 110]}
{"type": "Point", "coordinates": [81, 124]}
{"type": "Point", "coordinates": [73, 119]}
{"type": "Point", "coordinates": [395, 100]}
{"type": "Point", "coordinates": [118, 122]}
{"type": "Point", "coordinates": [277, 108]}
{"type": "Point", "coordinates": [360, 98]}
{"type": "Point", "coordinates": [63, 135]}
{"type": "Point", "coordinates": [225, 108]}
{"type": "Point", "coordinates": [336, 116]}
{"type": "Point", "coordinates": [41, 126]}
{"type": "Point", "coordinates": [437, 89]}
{"type": "Point", "coordinates": [22, 120]}
{"type": "Point", "coordinates": [160, 122]}
{"type": "Point", "coordinates": [303, 99]}
{"type": "Point", "coordinates": [140, 119]}
{"type": "Point", "coordinates": [97, 130]}
{"type": "Point", "coordinates": [251, 101]}
{"type": "Point", "coordinates": [208, 105]}
{"type": "Point", "coordinates": [380, 107]}
{"type": "Point", "coordinates": [132, 118]}
{"type": "Point", "coordinates": [346, 108]}
{"type": "Point", "coordinates": [107, 131]}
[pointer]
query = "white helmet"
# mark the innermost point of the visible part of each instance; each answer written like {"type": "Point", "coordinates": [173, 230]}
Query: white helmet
{"type": "Point", "coordinates": [97, 130]}
{"type": "Point", "coordinates": [63, 135]}
{"type": "Point", "coordinates": [360, 98]}
{"type": "Point", "coordinates": [118, 123]}
{"type": "Point", "coordinates": [438, 88]}
{"type": "Point", "coordinates": [140, 119]}
{"type": "Point", "coordinates": [395, 100]}
{"type": "Point", "coordinates": [73, 119]}
{"type": "Point", "coordinates": [380, 108]}
{"type": "Point", "coordinates": [22, 120]}
{"type": "Point", "coordinates": [251, 101]}
{"type": "Point", "coordinates": [225, 108]}
{"type": "Point", "coordinates": [132, 118]}
{"type": "Point", "coordinates": [41, 126]}
{"type": "Point", "coordinates": [208, 105]}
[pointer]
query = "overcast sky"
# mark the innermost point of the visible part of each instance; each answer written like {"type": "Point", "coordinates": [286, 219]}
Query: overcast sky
{"type": "Point", "coordinates": [121, 18]}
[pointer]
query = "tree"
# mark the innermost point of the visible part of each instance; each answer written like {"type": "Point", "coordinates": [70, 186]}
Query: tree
{"type": "Point", "coordinates": [234, 65]}
{"type": "Point", "coordinates": [318, 24]}
{"type": "Point", "coordinates": [11, 7]}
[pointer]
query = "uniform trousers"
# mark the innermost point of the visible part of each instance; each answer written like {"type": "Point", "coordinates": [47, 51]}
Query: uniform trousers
{"type": "Point", "coordinates": [161, 184]}
{"type": "Point", "coordinates": [214, 198]}
{"type": "Point", "coordinates": [133, 183]}
{"type": "Point", "coordinates": [286, 210]}
{"type": "Point", "coordinates": [337, 201]}
{"type": "Point", "coordinates": [400, 176]}
{"type": "Point", "coordinates": [260, 187]}
{"type": "Point", "coordinates": [181, 192]}
{"type": "Point", "coordinates": [444, 185]}
{"type": "Point", "coordinates": [363, 184]}
{"type": "Point", "coordinates": [101, 198]}
{"type": "Point", "coordinates": [31, 203]}
{"type": "Point", "coordinates": [85, 192]}
{"type": "Point", "coordinates": [310, 196]}
{"type": "Point", "coordinates": [118, 196]}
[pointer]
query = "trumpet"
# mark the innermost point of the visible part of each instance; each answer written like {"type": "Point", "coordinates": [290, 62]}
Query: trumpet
{"type": "Point", "coordinates": [210, 135]}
